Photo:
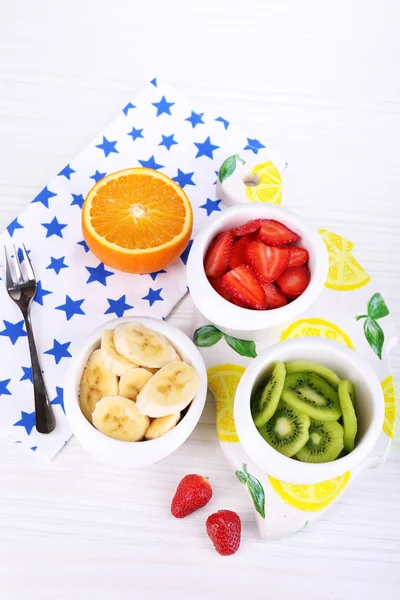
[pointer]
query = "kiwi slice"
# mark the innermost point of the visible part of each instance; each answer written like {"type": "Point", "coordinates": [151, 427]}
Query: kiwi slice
{"type": "Point", "coordinates": [305, 366]}
{"type": "Point", "coordinates": [311, 394]}
{"type": "Point", "coordinates": [324, 444]}
{"type": "Point", "coordinates": [286, 430]}
{"type": "Point", "coordinates": [267, 397]}
{"type": "Point", "coordinates": [347, 402]}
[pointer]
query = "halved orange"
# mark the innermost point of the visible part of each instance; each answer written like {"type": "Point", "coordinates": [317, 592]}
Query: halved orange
{"type": "Point", "coordinates": [137, 220]}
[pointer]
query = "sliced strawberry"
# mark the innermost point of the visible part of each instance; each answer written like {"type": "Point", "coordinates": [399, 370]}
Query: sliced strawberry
{"type": "Point", "coordinates": [275, 298]}
{"type": "Point", "coordinates": [294, 281]}
{"type": "Point", "coordinates": [238, 302]}
{"type": "Point", "coordinates": [274, 233]}
{"type": "Point", "coordinates": [217, 258]}
{"type": "Point", "coordinates": [268, 262]}
{"type": "Point", "coordinates": [219, 287]}
{"type": "Point", "coordinates": [243, 285]}
{"type": "Point", "coordinates": [298, 256]}
{"type": "Point", "coordinates": [238, 255]}
{"type": "Point", "coordinates": [248, 227]}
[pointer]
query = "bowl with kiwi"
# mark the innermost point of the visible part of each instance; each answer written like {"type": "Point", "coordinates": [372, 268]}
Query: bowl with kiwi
{"type": "Point", "coordinates": [308, 410]}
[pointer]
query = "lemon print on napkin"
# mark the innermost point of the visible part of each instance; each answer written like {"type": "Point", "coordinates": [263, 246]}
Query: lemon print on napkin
{"type": "Point", "coordinates": [222, 383]}
{"type": "Point", "coordinates": [269, 186]}
{"type": "Point", "coordinates": [389, 394]}
{"type": "Point", "coordinates": [317, 328]}
{"type": "Point", "coordinates": [345, 273]}
{"type": "Point", "coordinates": [313, 497]}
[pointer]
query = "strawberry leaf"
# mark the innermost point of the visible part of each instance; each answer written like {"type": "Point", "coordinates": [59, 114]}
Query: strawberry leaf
{"type": "Point", "coordinates": [241, 476]}
{"type": "Point", "coordinates": [377, 307]}
{"type": "Point", "coordinates": [207, 336]}
{"type": "Point", "coordinates": [242, 347]}
{"type": "Point", "coordinates": [227, 168]}
{"type": "Point", "coordinates": [374, 336]}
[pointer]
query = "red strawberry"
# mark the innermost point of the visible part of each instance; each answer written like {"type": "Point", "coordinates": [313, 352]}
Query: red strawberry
{"type": "Point", "coordinates": [192, 493]}
{"type": "Point", "coordinates": [294, 281]}
{"type": "Point", "coordinates": [218, 286]}
{"type": "Point", "coordinates": [274, 233]}
{"type": "Point", "coordinates": [238, 255]}
{"type": "Point", "coordinates": [243, 285]}
{"type": "Point", "coordinates": [224, 530]}
{"type": "Point", "coordinates": [275, 298]}
{"type": "Point", "coordinates": [248, 227]}
{"type": "Point", "coordinates": [268, 262]}
{"type": "Point", "coordinates": [298, 256]}
{"type": "Point", "coordinates": [217, 258]}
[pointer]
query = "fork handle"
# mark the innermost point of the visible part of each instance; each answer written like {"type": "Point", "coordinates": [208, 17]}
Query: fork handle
{"type": "Point", "coordinates": [45, 420]}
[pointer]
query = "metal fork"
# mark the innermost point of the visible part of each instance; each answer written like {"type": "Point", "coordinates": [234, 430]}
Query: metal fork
{"type": "Point", "coordinates": [22, 291]}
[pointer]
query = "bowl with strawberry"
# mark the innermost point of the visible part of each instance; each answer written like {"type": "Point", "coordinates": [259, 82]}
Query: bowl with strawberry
{"type": "Point", "coordinates": [255, 267]}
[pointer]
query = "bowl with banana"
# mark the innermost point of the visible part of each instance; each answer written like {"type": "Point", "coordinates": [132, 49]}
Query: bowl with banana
{"type": "Point", "coordinates": [135, 391]}
{"type": "Point", "coordinates": [308, 410]}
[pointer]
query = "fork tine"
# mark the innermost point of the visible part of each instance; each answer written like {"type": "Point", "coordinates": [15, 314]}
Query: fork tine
{"type": "Point", "coordinates": [6, 270]}
{"type": "Point", "coordinates": [28, 264]}
{"type": "Point", "coordinates": [17, 266]}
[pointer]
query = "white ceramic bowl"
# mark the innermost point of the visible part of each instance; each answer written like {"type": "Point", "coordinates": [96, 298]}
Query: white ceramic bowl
{"type": "Point", "coordinates": [242, 322]}
{"type": "Point", "coordinates": [133, 455]}
{"type": "Point", "coordinates": [348, 365]}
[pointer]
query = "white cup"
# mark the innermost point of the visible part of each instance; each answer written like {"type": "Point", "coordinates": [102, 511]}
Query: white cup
{"type": "Point", "coordinates": [241, 322]}
{"type": "Point", "coordinates": [347, 364]}
{"type": "Point", "coordinates": [133, 455]}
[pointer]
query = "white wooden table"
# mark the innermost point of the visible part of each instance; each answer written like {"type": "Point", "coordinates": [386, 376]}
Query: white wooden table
{"type": "Point", "coordinates": [320, 82]}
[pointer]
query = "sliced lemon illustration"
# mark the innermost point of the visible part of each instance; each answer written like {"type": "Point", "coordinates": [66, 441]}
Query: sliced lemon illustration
{"type": "Point", "coordinates": [313, 497]}
{"type": "Point", "coordinates": [389, 393]}
{"type": "Point", "coordinates": [222, 383]}
{"type": "Point", "coordinates": [317, 328]}
{"type": "Point", "coordinates": [345, 273]}
{"type": "Point", "coordinates": [267, 184]}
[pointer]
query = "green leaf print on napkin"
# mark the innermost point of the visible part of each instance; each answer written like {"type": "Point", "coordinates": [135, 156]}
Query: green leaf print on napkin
{"type": "Point", "coordinates": [255, 488]}
{"type": "Point", "coordinates": [228, 167]}
{"type": "Point", "coordinates": [242, 347]}
{"type": "Point", "coordinates": [209, 335]}
{"type": "Point", "coordinates": [373, 332]}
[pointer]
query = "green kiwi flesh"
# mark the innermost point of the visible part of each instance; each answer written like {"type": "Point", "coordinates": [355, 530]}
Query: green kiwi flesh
{"type": "Point", "coordinates": [305, 366]}
{"type": "Point", "coordinates": [267, 397]}
{"type": "Point", "coordinates": [324, 444]}
{"type": "Point", "coordinates": [311, 394]}
{"type": "Point", "coordinates": [287, 430]}
{"type": "Point", "coordinates": [347, 402]}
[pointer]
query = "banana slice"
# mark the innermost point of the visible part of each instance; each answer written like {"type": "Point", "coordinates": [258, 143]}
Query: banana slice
{"type": "Point", "coordinates": [162, 425]}
{"type": "Point", "coordinates": [113, 360]}
{"type": "Point", "coordinates": [96, 382]}
{"type": "Point", "coordinates": [133, 381]}
{"type": "Point", "coordinates": [119, 418]}
{"type": "Point", "coordinates": [169, 391]}
{"type": "Point", "coordinates": [143, 346]}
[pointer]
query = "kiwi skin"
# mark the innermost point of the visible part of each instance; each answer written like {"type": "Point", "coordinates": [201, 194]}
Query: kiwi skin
{"type": "Point", "coordinates": [267, 397]}
{"type": "Point", "coordinates": [311, 394]}
{"type": "Point", "coordinates": [347, 402]}
{"type": "Point", "coordinates": [305, 366]}
{"type": "Point", "coordinates": [325, 442]}
{"type": "Point", "coordinates": [287, 430]}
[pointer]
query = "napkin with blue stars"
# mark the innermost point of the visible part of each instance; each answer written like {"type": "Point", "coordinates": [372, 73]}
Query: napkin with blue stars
{"type": "Point", "coordinates": [159, 129]}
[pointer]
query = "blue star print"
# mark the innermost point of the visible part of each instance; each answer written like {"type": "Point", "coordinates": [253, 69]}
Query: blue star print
{"type": "Point", "coordinates": [254, 145]}
{"type": "Point", "coordinates": [44, 197]}
{"type": "Point", "coordinates": [153, 296]}
{"type": "Point", "coordinates": [135, 133]}
{"type": "Point", "coordinates": [99, 274]}
{"type": "Point", "coordinates": [151, 163]}
{"type": "Point", "coordinates": [27, 420]}
{"type": "Point", "coordinates": [59, 351]}
{"type": "Point", "coordinates": [205, 148]}
{"type": "Point", "coordinates": [67, 172]}
{"type": "Point", "coordinates": [59, 399]}
{"type": "Point", "coordinates": [154, 275]}
{"type": "Point", "coordinates": [185, 254]}
{"type": "Point", "coordinates": [118, 307]}
{"type": "Point", "coordinates": [71, 307]}
{"type": "Point", "coordinates": [195, 119]}
{"type": "Point", "coordinates": [84, 246]}
{"type": "Point", "coordinates": [20, 255]}
{"type": "Point", "coordinates": [34, 448]}
{"type": "Point", "coordinates": [78, 199]}
{"type": "Point", "coordinates": [40, 293]}
{"type": "Point", "coordinates": [184, 178]}
{"type": "Point", "coordinates": [97, 176]}
{"type": "Point", "coordinates": [211, 205]}
{"type": "Point", "coordinates": [128, 108]}
{"type": "Point", "coordinates": [54, 228]}
{"type": "Point", "coordinates": [13, 226]}
{"type": "Point", "coordinates": [223, 121]}
{"type": "Point", "coordinates": [163, 106]}
{"type": "Point", "coordinates": [167, 141]}
{"type": "Point", "coordinates": [3, 387]}
{"type": "Point", "coordinates": [13, 331]}
{"type": "Point", "coordinates": [154, 81]}
{"type": "Point", "coordinates": [107, 146]}
{"type": "Point", "coordinates": [57, 264]}
{"type": "Point", "coordinates": [27, 374]}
